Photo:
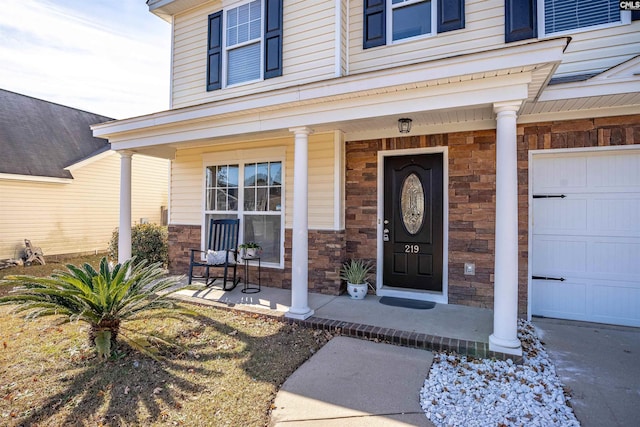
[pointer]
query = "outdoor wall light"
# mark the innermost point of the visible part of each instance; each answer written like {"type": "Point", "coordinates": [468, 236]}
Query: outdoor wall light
{"type": "Point", "coordinates": [404, 125]}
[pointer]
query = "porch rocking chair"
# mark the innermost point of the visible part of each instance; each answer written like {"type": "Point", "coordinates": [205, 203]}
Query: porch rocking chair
{"type": "Point", "coordinates": [220, 253]}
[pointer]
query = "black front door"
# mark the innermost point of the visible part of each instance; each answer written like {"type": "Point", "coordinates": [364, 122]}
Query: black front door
{"type": "Point", "coordinates": [412, 227]}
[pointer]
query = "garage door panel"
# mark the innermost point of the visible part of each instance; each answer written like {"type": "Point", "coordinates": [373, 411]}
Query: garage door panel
{"type": "Point", "coordinates": [614, 172]}
{"type": "Point", "coordinates": [590, 237]}
{"type": "Point", "coordinates": [557, 256]}
{"type": "Point", "coordinates": [614, 216]}
{"type": "Point", "coordinates": [555, 174]}
{"type": "Point", "coordinates": [560, 216]}
{"type": "Point", "coordinates": [559, 299]}
{"type": "Point", "coordinates": [614, 260]}
{"type": "Point", "coordinates": [617, 304]}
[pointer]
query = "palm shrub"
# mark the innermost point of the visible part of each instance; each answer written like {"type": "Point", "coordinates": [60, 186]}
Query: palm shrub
{"type": "Point", "coordinates": [102, 298]}
{"type": "Point", "coordinates": [148, 241]}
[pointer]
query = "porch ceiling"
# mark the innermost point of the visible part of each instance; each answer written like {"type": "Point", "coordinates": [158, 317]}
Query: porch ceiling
{"type": "Point", "coordinates": [455, 92]}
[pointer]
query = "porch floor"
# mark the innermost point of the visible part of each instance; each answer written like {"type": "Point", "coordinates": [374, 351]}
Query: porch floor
{"type": "Point", "coordinates": [446, 327]}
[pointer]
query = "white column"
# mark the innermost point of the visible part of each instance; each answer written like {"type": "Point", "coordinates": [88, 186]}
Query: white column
{"type": "Point", "coordinates": [505, 300]}
{"type": "Point", "coordinates": [124, 231]}
{"type": "Point", "coordinates": [300, 244]}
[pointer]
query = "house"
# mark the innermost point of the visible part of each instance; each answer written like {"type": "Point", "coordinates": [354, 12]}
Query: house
{"type": "Point", "coordinates": [479, 152]}
{"type": "Point", "coordinates": [60, 185]}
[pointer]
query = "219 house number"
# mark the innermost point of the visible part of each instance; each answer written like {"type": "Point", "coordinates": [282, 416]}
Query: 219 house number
{"type": "Point", "coordinates": [412, 249]}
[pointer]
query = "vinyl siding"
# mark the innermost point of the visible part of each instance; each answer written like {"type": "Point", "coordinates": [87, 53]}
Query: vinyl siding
{"type": "Point", "coordinates": [187, 172]}
{"type": "Point", "coordinates": [484, 30]}
{"type": "Point", "coordinates": [79, 216]}
{"type": "Point", "coordinates": [598, 50]}
{"type": "Point", "coordinates": [589, 51]}
{"type": "Point", "coordinates": [308, 51]}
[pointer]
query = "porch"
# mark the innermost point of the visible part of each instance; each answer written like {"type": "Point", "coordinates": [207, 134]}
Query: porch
{"type": "Point", "coordinates": [446, 327]}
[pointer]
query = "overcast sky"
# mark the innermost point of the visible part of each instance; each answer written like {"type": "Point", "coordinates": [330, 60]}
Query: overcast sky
{"type": "Point", "coordinates": [109, 57]}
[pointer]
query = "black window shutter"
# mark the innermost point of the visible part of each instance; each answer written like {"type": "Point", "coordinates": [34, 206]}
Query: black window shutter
{"type": "Point", "coordinates": [375, 28]}
{"type": "Point", "coordinates": [273, 39]}
{"type": "Point", "coordinates": [450, 15]}
{"type": "Point", "coordinates": [519, 20]}
{"type": "Point", "coordinates": [635, 15]}
{"type": "Point", "coordinates": [214, 52]}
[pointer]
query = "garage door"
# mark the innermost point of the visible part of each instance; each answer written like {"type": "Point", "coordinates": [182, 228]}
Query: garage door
{"type": "Point", "coordinates": [585, 260]}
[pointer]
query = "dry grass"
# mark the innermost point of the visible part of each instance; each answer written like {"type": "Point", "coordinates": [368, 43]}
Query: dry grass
{"type": "Point", "coordinates": [225, 372]}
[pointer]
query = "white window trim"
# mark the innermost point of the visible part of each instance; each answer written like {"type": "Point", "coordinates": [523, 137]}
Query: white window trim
{"type": "Point", "coordinates": [389, 22]}
{"type": "Point", "coordinates": [625, 19]}
{"type": "Point", "coordinates": [225, 49]}
{"type": "Point", "coordinates": [242, 157]}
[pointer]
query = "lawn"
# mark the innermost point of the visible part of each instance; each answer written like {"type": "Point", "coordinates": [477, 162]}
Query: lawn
{"type": "Point", "coordinates": [225, 371]}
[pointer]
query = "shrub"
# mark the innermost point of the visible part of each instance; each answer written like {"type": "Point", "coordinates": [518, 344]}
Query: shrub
{"type": "Point", "coordinates": [102, 298]}
{"type": "Point", "coordinates": [148, 241]}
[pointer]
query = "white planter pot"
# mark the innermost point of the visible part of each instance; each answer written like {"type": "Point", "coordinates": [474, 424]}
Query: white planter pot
{"type": "Point", "coordinates": [251, 252]}
{"type": "Point", "coordinates": [357, 291]}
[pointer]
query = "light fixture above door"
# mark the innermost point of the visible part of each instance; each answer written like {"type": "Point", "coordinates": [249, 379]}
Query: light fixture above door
{"type": "Point", "coordinates": [404, 125]}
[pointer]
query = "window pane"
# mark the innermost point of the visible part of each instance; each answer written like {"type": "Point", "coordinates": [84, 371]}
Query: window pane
{"type": "Point", "coordinates": [412, 20]}
{"type": "Point", "coordinates": [275, 174]}
{"type": "Point", "coordinates": [222, 176]}
{"type": "Point", "coordinates": [232, 36]}
{"type": "Point", "coordinates": [243, 33]}
{"type": "Point", "coordinates": [262, 175]}
{"type": "Point", "coordinates": [210, 174]}
{"type": "Point", "coordinates": [275, 199]}
{"type": "Point", "coordinates": [221, 197]}
{"type": "Point", "coordinates": [250, 199]}
{"type": "Point", "coordinates": [232, 177]}
{"type": "Point", "coordinates": [214, 216]}
{"type": "Point", "coordinates": [233, 199]}
{"type": "Point", "coordinates": [250, 174]}
{"type": "Point", "coordinates": [211, 200]}
{"type": "Point", "coordinates": [261, 199]}
{"type": "Point", "coordinates": [243, 64]}
{"type": "Point", "coordinates": [563, 15]}
{"type": "Point", "coordinates": [264, 230]}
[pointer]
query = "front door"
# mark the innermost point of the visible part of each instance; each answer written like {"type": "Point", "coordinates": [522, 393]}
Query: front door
{"type": "Point", "coordinates": [412, 231]}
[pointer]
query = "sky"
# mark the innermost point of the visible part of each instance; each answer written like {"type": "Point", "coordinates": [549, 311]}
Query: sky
{"type": "Point", "coordinates": [108, 57]}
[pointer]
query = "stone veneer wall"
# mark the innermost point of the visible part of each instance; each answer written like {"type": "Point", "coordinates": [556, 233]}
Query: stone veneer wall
{"type": "Point", "coordinates": [471, 193]}
{"type": "Point", "coordinates": [326, 254]}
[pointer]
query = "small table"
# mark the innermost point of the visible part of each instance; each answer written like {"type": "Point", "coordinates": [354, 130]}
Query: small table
{"type": "Point", "coordinates": [246, 288]}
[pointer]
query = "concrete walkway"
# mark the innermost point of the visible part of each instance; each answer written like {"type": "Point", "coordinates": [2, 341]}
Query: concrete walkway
{"type": "Point", "coordinates": [352, 382]}
{"type": "Point", "coordinates": [600, 364]}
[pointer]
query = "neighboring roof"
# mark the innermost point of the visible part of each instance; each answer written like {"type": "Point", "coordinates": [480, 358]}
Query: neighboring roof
{"type": "Point", "coordinates": [40, 138]}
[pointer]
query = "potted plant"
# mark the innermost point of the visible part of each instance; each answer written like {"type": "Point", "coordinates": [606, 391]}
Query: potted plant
{"type": "Point", "coordinates": [356, 272]}
{"type": "Point", "coordinates": [249, 249]}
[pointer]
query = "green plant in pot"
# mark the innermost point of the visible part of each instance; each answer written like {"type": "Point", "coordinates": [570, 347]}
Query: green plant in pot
{"type": "Point", "coordinates": [356, 272]}
{"type": "Point", "coordinates": [249, 249]}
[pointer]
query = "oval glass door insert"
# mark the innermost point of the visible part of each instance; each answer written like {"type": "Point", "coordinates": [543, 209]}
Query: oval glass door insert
{"type": "Point", "coordinates": [412, 203]}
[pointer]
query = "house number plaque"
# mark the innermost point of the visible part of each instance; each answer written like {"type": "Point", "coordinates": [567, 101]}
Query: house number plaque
{"type": "Point", "coordinates": [412, 249]}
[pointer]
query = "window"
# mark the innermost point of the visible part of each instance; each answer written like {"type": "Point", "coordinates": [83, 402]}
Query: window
{"type": "Point", "coordinates": [245, 44]}
{"type": "Point", "coordinates": [251, 191]}
{"type": "Point", "coordinates": [410, 18]}
{"type": "Point", "coordinates": [558, 16]}
{"type": "Point", "coordinates": [396, 20]}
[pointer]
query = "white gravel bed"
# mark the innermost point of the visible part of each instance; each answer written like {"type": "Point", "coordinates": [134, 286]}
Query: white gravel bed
{"type": "Point", "coordinates": [463, 392]}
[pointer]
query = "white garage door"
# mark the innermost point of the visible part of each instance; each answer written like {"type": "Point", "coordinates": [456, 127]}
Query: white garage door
{"type": "Point", "coordinates": [585, 261]}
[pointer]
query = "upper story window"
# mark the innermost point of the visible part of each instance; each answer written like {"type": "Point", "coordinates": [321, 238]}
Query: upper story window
{"type": "Point", "coordinates": [526, 19]}
{"type": "Point", "coordinates": [410, 18]}
{"type": "Point", "coordinates": [387, 21]}
{"type": "Point", "coordinates": [562, 16]}
{"type": "Point", "coordinates": [244, 44]}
